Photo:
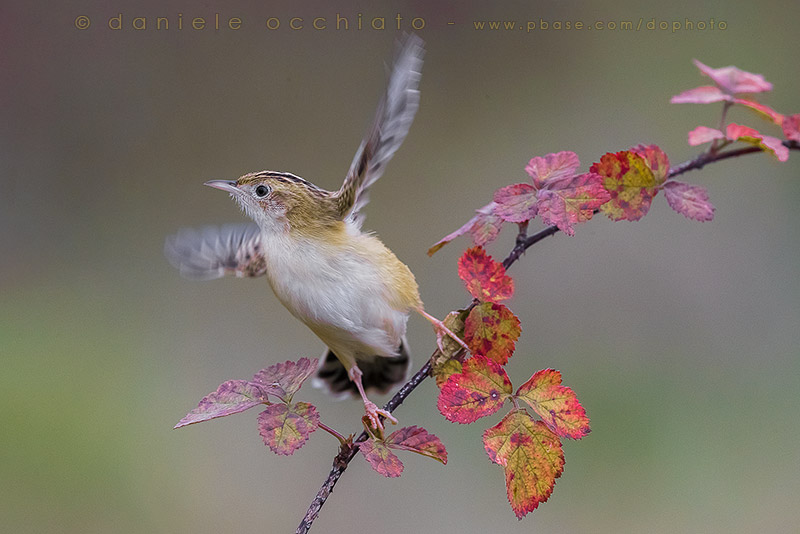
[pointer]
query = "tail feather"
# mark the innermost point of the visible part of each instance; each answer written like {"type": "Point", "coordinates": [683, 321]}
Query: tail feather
{"type": "Point", "coordinates": [379, 374]}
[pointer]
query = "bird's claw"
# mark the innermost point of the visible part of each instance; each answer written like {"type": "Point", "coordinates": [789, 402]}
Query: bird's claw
{"type": "Point", "coordinates": [374, 415]}
{"type": "Point", "coordinates": [440, 335]}
{"type": "Point", "coordinates": [441, 332]}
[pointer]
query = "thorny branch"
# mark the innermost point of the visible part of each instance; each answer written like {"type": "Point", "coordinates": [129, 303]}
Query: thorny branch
{"type": "Point", "coordinates": [348, 451]}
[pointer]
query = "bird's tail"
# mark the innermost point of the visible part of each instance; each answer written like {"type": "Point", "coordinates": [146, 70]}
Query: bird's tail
{"type": "Point", "coordinates": [380, 374]}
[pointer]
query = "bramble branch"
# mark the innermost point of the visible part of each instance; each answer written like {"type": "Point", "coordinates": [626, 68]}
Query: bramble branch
{"type": "Point", "coordinates": [706, 157]}
{"type": "Point", "coordinates": [348, 450]}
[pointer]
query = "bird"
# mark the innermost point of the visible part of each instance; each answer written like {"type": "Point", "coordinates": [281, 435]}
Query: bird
{"type": "Point", "coordinates": [343, 283]}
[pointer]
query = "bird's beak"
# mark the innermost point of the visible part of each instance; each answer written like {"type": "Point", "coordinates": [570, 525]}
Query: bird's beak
{"type": "Point", "coordinates": [224, 185]}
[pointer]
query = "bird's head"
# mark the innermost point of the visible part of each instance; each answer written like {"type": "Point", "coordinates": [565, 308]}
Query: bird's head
{"type": "Point", "coordinates": [279, 201]}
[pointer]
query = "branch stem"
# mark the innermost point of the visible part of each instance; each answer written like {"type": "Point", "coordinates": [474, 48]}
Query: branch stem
{"type": "Point", "coordinates": [348, 451]}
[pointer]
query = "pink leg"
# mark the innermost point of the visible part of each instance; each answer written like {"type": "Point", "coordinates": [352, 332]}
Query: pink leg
{"type": "Point", "coordinates": [442, 330]}
{"type": "Point", "coordinates": [373, 412]}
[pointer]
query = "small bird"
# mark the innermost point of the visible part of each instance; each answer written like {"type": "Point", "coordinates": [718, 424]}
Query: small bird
{"type": "Point", "coordinates": [343, 283]}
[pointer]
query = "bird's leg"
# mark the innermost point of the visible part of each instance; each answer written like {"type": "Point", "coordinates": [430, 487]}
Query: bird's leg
{"type": "Point", "coordinates": [373, 412]}
{"type": "Point", "coordinates": [441, 330]}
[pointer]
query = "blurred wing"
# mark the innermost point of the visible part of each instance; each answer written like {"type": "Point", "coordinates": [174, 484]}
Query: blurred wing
{"type": "Point", "coordinates": [213, 252]}
{"type": "Point", "coordinates": [390, 127]}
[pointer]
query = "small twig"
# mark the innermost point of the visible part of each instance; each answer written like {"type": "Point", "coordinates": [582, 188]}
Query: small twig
{"type": "Point", "coordinates": [523, 244]}
{"type": "Point", "coordinates": [715, 144]}
{"type": "Point", "coordinates": [332, 432]}
{"type": "Point", "coordinates": [348, 452]}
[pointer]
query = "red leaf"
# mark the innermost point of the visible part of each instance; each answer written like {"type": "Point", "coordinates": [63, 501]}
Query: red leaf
{"type": "Point", "coordinates": [656, 159]}
{"type": "Point", "coordinates": [791, 127]}
{"type": "Point", "coordinates": [285, 429]}
{"type": "Point", "coordinates": [231, 397]}
{"type": "Point", "coordinates": [491, 330]}
{"type": "Point", "coordinates": [381, 458]}
{"type": "Point", "coordinates": [700, 95]}
{"type": "Point", "coordinates": [773, 145]}
{"type": "Point", "coordinates": [630, 182]}
{"type": "Point", "coordinates": [557, 405]}
{"type": "Point", "coordinates": [444, 370]}
{"type": "Point", "coordinates": [485, 278]}
{"type": "Point", "coordinates": [284, 379]}
{"type": "Point", "coordinates": [531, 456]}
{"type": "Point", "coordinates": [479, 390]}
{"type": "Point", "coordinates": [418, 440]}
{"type": "Point", "coordinates": [550, 170]}
{"type": "Point", "coordinates": [733, 80]}
{"type": "Point", "coordinates": [484, 227]}
{"type": "Point", "coordinates": [516, 203]}
{"type": "Point", "coordinates": [573, 202]}
{"type": "Point", "coordinates": [689, 200]}
{"type": "Point", "coordinates": [704, 134]}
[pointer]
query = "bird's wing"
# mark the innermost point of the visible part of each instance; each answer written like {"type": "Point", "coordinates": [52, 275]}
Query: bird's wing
{"type": "Point", "coordinates": [390, 127]}
{"type": "Point", "coordinates": [213, 251]}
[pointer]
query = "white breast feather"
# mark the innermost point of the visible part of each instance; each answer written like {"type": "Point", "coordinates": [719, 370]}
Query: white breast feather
{"type": "Point", "coordinates": [342, 298]}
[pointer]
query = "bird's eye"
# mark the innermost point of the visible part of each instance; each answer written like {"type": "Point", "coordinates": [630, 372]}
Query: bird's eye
{"type": "Point", "coordinates": [262, 191]}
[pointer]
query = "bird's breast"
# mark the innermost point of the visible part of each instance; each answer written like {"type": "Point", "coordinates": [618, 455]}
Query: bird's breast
{"type": "Point", "coordinates": [353, 291]}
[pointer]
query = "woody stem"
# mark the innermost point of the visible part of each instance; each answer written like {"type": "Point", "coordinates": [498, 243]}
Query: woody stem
{"type": "Point", "coordinates": [524, 241]}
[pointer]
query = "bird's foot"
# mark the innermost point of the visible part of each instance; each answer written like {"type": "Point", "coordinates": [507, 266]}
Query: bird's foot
{"type": "Point", "coordinates": [374, 415]}
{"type": "Point", "coordinates": [373, 412]}
{"type": "Point", "coordinates": [441, 331]}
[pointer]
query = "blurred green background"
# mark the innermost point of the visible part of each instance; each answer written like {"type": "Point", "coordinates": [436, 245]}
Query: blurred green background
{"type": "Point", "coordinates": [680, 338]}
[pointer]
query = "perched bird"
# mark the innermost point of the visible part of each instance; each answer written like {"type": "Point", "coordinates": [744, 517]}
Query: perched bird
{"type": "Point", "coordinates": [341, 282]}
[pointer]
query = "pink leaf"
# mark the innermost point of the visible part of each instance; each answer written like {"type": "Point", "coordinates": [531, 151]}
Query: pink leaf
{"type": "Point", "coordinates": [286, 428]}
{"type": "Point", "coordinates": [418, 440]}
{"type": "Point", "coordinates": [735, 132]}
{"type": "Point", "coordinates": [573, 202]}
{"type": "Point", "coordinates": [381, 458]}
{"type": "Point", "coordinates": [689, 200]}
{"type": "Point", "coordinates": [733, 80]}
{"type": "Point", "coordinates": [700, 95]}
{"type": "Point", "coordinates": [284, 379]}
{"type": "Point", "coordinates": [516, 203]}
{"type": "Point", "coordinates": [487, 225]}
{"type": "Point", "coordinates": [791, 127]}
{"type": "Point", "coordinates": [773, 145]}
{"type": "Point", "coordinates": [776, 146]}
{"type": "Point", "coordinates": [765, 111]}
{"type": "Point", "coordinates": [484, 227]}
{"type": "Point", "coordinates": [704, 134]}
{"type": "Point", "coordinates": [231, 397]}
{"type": "Point", "coordinates": [552, 168]}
